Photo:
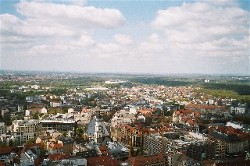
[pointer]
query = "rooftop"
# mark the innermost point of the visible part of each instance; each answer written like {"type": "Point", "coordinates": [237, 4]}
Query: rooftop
{"type": "Point", "coordinates": [146, 160]}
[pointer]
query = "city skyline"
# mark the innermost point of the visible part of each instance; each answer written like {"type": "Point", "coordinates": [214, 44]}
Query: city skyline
{"type": "Point", "coordinates": [209, 37]}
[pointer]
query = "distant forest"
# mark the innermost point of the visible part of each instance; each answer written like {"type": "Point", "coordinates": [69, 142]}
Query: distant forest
{"type": "Point", "coordinates": [161, 81]}
{"type": "Point", "coordinates": [240, 89]}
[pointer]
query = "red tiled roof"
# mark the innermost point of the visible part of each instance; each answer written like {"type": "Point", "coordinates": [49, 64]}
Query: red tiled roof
{"type": "Point", "coordinates": [178, 112]}
{"type": "Point", "coordinates": [230, 130]}
{"type": "Point", "coordinates": [35, 109]}
{"type": "Point", "coordinates": [28, 146]}
{"type": "Point", "coordinates": [146, 160]}
{"type": "Point", "coordinates": [183, 112]}
{"type": "Point", "coordinates": [186, 111]}
{"type": "Point", "coordinates": [102, 160]}
{"type": "Point", "coordinates": [184, 119]}
{"type": "Point", "coordinates": [86, 110]}
{"type": "Point", "coordinates": [55, 145]}
{"type": "Point", "coordinates": [191, 122]}
{"type": "Point", "coordinates": [234, 163]}
{"type": "Point", "coordinates": [128, 127]}
{"type": "Point", "coordinates": [103, 148]}
{"type": "Point", "coordinates": [2, 163]}
{"type": "Point", "coordinates": [197, 114]}
{"type": "Point", "coordinates": [58, 156]}
{"type": "Point", "coordinates": [145, 111]}
{"type": "Point", "coordinates": [6, 150]}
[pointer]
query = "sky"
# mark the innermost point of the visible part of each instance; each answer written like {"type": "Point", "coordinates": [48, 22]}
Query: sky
{"type": "Point", "coordinates": [128, 36]}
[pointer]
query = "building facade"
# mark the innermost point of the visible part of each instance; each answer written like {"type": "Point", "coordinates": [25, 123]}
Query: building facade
{"type": "Point", "coordinates": [23, 130]}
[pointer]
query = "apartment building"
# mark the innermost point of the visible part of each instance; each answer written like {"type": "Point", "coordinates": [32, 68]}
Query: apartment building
{"type": "Point", "coordinates": [68, 144]}
{"type": "Point", "coordinates": [97, 130]}
{"type": "Point", "coordinates": [58, 125]}
{"type": "Point", "coordinates": [198, 150]}
{"type": "Point", "coordinates": [204, 150]}
{"type": "Point", "coordinates": [235, 141]}
{"type": "Point", "coordinates": [25, 129]}
{"type": "Point", "coordinates": [154, 144]}
{"type": "Point", "coordinates": [3, 128]}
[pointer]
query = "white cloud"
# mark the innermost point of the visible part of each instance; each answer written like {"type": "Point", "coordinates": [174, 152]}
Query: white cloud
{"type": "Point", "coordinates": [110, 50]}
{"type": "Point", "coordinates": [71, 15]}
{"type": "Point", "coordinates": [45, 26]}
{"type": "Point", "coordinates": [196, 27]}
{"type": "Point", "coordinates": [123, 39]}
{"type": "Point", "coordinates": [202, 37]}
{"type": "Point", "coordinates": [222, 3]}
{"type": "Point", "coordinates": [154, 37]}
{"type": "Point", "coordinates": [42, 20]}
{"type": "Point", "coordinates": [83, 41]}
{"type": "Point", "coordinates": [79, 2]}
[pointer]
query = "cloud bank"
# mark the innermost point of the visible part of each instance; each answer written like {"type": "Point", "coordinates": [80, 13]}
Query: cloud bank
{"type": "Point", "coordinates": [198, 37]}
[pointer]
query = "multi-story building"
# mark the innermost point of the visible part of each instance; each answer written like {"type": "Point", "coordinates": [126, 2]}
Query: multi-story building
{"type": "Point", "coordinates": [58, 125]}
{"type": "Point", "coordinates": [97, 130]}
{"type": "Point", "coordinates": [235, 147]}
{"type": "Point", "coordinates": [204, 150]}
{"type": "Point", "coordinates": [172, 159]}
{"type": "Point", "coordinates": [180, 159]}
{"type": "Point", "coordinates": [198, 150]}
{"type": "Point", "coordinates": [68, 145]}
{"type": "Point", "coordinates": [217, 149]}
{"type": "Point", "coordinates": [25, 129]}
{"type": "Point", "coordinates": [3, 128]}
{"type": "Point", "coordinates": [65, 122]}
{"type": "Point", "coordinates": [132, 136]}
{"type": "Point", "coordinates": [154, 144]}
{"type": "Point", "coordinates": [55, 104]}
{"type": "Point", "coordinates": [234, 141]}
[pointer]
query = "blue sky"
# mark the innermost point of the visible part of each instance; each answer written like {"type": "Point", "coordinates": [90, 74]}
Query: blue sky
{"type": "Point", "coordinates": [135, 10]}
{"type": "Point", "coordinates": [210, 37]}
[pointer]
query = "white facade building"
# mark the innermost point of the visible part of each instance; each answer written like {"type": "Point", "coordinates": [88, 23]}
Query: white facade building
{"type": "Point", "coordinates": [96, 129]}
{"type": "Point", "coordinates": [55, 103]}
{"type": "Point", "coordinates": [24, 129]}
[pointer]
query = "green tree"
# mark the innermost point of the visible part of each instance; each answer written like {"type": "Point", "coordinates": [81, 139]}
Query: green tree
{"type": "Point", "coordinates": [64, 133]}
{"type": "Point", "coordinates": [148, 120]}
{"type": "Point", "coordinates": [36, 115]}
{"type": "Point", "coordinates": [105, 117]}
{"type": "Point", "coordinates": [7, 119]}
{"type": "Point", "coordinates": [31, 141]}
{"type": "Point", "coordinates": [16, 142]}
{"type": "Point", "coordinates": [13, 142]}
{"type": "Point", "coordinates": [43, 152]}
{"type": "Point", "coordinates": [79, 132]}
{"type": "Point", "coordinates": [3, 144]}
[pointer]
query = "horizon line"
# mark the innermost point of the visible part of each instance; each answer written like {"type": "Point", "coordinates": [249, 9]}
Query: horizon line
{"type": "Point", "coordinates": [123, 73]}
